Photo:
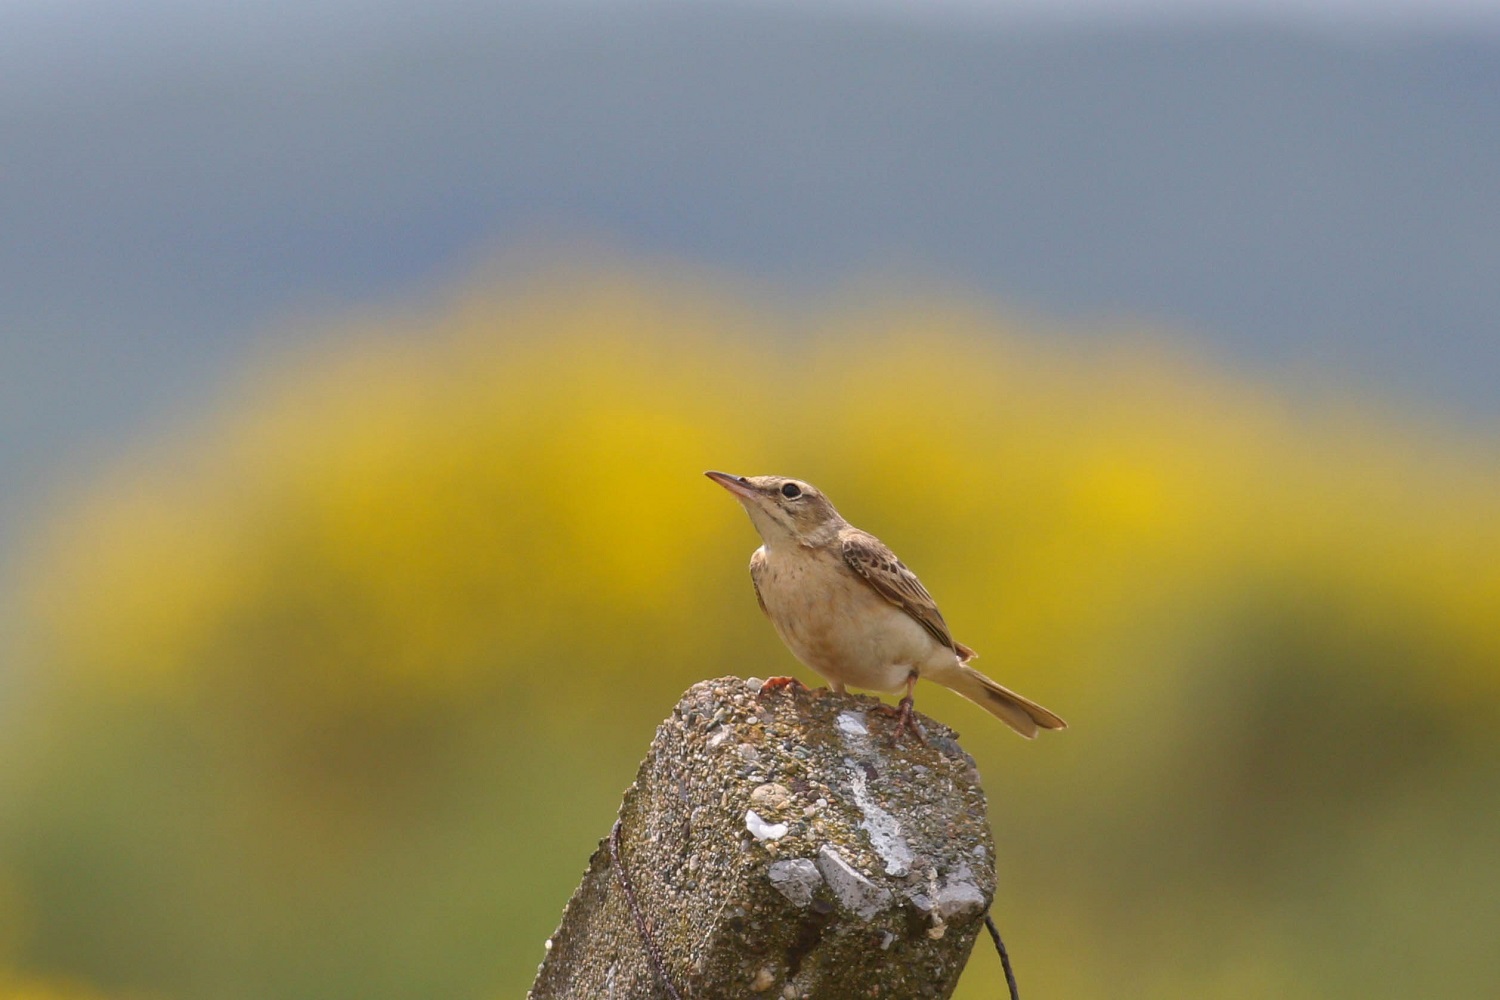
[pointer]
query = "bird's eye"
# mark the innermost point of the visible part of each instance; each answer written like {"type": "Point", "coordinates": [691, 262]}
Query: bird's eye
{"type": "Point", "coordinates": [791, 491]}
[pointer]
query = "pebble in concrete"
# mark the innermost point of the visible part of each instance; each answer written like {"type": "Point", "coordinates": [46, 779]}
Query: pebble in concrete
{"type": "Point", "coordinates": [959, 900]}
{"type": "Point", "coordinates": [796, 879]}
{"type": "Point", "coordinates": [854, 892]}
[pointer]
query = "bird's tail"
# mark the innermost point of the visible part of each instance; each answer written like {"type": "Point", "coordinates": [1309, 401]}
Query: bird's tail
{"type": "Point", "coordinates": [1021, 714]}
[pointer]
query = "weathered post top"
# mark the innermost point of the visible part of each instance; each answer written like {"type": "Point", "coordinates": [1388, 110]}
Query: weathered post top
{"type": "Point", "coordinates": [781, 845]}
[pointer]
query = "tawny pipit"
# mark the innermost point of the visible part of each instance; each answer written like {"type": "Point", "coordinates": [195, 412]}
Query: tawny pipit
{"type": "Point", "coordinates": [852, 611]}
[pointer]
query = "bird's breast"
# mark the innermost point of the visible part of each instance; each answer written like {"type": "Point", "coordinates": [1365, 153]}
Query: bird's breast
{"type": "Point", "coordinates": [834, 622]}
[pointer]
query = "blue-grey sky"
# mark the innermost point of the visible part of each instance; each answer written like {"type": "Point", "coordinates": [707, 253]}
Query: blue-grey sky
{"type": "Point", "coordinates": [1299, 188]}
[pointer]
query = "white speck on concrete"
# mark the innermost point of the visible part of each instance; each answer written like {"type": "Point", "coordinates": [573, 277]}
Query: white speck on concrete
{"type": "Point", "coordinates": [760, 829]}
{"type": "Point", "coordinates": [853, 723]}
{"type": "Point", "coordinates": [858, 894]}
{"type": "Point", "coordinates": [796, 879]}
{"type": "Point", "coordinates": [883, 828]}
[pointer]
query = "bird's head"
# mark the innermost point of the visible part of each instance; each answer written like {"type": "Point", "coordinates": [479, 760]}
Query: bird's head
{"type": "Point", "coordinates": [783, 510]}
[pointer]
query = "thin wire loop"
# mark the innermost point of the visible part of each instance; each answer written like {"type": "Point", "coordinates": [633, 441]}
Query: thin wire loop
{"type": "Point", "coordinates": [652, 953]}
{"type": "Point", "coordinates": [1010, 977]}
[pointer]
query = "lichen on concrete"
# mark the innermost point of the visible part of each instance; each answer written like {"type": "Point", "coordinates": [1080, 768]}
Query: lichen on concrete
{"type": "Point", "coordinates": [876, 888]}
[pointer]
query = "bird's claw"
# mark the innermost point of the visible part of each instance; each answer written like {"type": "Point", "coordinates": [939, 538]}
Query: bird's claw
{"type": "Point", "coordinates": [906, 720]}
{"type": "Point", "coordinates": [779, 683]}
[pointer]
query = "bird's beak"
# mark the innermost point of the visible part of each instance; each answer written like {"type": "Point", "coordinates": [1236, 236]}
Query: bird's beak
{"type": "Point", "coordinates": [734, 484]}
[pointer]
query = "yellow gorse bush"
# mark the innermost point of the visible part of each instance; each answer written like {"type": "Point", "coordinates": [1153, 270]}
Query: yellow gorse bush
{"type": "Point", "coordinates": [523, 471]}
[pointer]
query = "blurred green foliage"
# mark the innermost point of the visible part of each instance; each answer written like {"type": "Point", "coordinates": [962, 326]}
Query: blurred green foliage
{"type": "Point", "coordinates": [333, 692]}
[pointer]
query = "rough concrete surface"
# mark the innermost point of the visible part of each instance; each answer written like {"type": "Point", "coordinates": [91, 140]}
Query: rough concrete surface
{"type": "Point", "coordinates": [781, 845]}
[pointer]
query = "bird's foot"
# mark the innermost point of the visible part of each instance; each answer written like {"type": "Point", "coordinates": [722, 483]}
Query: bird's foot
{"type": "Point", "coordinates": [778, 683]}
{"type": "Point", "coordinates": [906, 720]}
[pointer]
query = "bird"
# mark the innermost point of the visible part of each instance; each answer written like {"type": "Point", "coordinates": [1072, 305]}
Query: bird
{"type": "Point", "coordinates": [852, 612]}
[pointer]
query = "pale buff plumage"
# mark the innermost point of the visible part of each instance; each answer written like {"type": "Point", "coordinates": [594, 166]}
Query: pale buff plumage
{"type": "Point", "coordinates": [850, 610]}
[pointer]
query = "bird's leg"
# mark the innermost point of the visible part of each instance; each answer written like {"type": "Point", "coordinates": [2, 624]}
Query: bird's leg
{"type": "Point", "coordinates": [777, 683]}
{"type": "Point", "coordinates": [906, 715]}
{"type": "Point", "coordinates": [904, 712]}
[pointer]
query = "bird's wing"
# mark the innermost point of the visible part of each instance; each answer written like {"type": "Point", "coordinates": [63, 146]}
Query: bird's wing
{"type": "Point", "coordinates": [878, 566]}
{"type": "Point", "coordinates": [758, 567]}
